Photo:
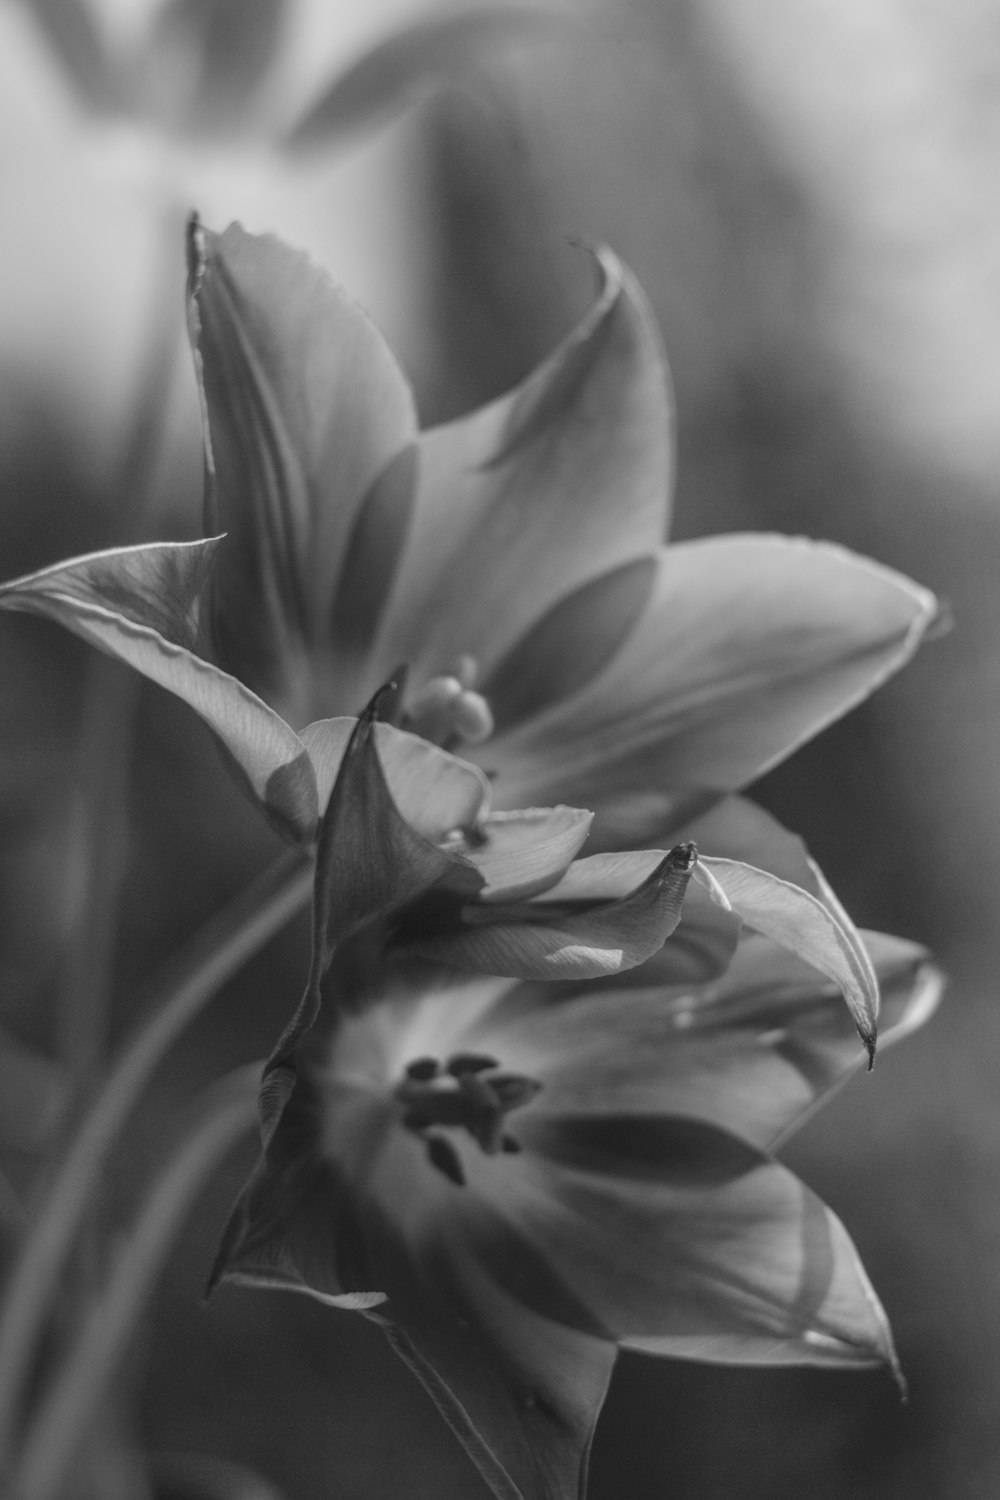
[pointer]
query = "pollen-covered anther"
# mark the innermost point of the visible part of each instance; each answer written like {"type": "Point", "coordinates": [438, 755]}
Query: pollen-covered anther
{"type": "Point", "coordinates": [447, 710]}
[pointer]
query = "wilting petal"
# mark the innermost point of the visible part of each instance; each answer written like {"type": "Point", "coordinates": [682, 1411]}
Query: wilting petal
{"type": "Point", "coordinates": [146, 605]}
{"type": "Point", "coordinates": [514, 507]}
{"type": "Point", "coordinates": [750, 645]}
{"type": "Point", "coordinates": [559, 939]}
{"type": "Point", "coordinates": [805, 925]}
{"type": "Point", "coordinates": [433, 791]}
{"type": "Point", "coordinates": [681, 1239]}
{"type": "Point", "coordinates": [753, 1053]}
{"type": "Point", "coordinates": [310, 433]}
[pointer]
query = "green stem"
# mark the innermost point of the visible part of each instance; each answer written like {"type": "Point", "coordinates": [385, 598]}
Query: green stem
{"type": "Point", "coordinates": [213, 957]}
{"type": "Point", "coordinates": [65, 1416]}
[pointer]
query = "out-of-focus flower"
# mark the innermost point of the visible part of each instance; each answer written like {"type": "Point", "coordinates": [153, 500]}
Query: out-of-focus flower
{"type": "Point", "coordinates": [515, 1182]}
{"type": "Point", "coordinates": [123, 115]}
{"type": "Point", "coordinates": [507, 568]}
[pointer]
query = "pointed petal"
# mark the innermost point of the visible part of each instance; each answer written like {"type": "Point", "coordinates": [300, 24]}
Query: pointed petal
{"type": "Point", "coordinates": [754, 1053]}
{"type": "Point", "coordinates": [435, 793]}
{"type": "Point", "coordinates": [555, 939]}
{"type": "Point", "coordinates": [370, 861]}
{"type": "Point", "coordinates": [283, 1232]}
{"type": "Point", "coordinates": [310, 431]}
{"type": "Point", "coordinates": [804, 925]}
{"type": "Point", "coordinates": [513, 508]}
{"type": "Point", "coordinates": [681, 1239]}
{"type": "Point", "coordinates": [578, 636]}
{"type": "Point", "coordinates": [738, 829]}
{"type": "Point", "coordinates": [750, 645]}
{"type": "Point", "coordinates": [146, 605]}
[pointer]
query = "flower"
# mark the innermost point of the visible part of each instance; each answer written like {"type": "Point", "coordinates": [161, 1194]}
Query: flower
{"type": "Point", "coordinates": [500, 895]}
{"type": "Point", "coordinates": [126, 114]}
{"type": "Point", "coordinates": [508, 569]}
{"type": "Point", "coordinates": [515, 1181]}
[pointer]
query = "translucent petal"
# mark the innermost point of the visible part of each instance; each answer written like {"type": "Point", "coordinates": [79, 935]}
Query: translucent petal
{"type": "Point", "coordinates": [555, 939]}
{"type": "Point", "coordinates": [749, 646]}
{"type": "Point", "coordinates": [522, 502]}
{"type": "Point", "coordinates": [668, 1228]}
{"type": "Point", "coordinates": [433, 791]}
{"type": "Point", "coordinates": [309, 421]}
{"type": "Point", "coordinates": [804, 925]}
{"type": "Point", "coordinates": [753, 1053]}
{"type": "Point", "coordinates": [145, 605]}
{"type": "Point", "coordinates": [525, 852]}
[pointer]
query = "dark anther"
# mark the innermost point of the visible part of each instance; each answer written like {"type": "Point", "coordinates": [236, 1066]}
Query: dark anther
{"type": "Point", "coordinates": [423, 1069]}
{"type": "Point", "coordinates": [469, 1062]}
{"type": "Point", "coordinates": [442, 1154]}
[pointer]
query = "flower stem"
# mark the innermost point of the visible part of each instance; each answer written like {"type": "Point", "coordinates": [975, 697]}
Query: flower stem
{"type": "Point", "coordinates": [225, 943]}
{"type": "Point", "coordinates": [79, 1389]}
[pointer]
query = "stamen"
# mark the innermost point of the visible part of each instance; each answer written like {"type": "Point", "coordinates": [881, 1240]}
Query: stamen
{"type": "Point", "coordinates": [447, 711]}
{"type": "Point", "coordinates": [472, 718]}
{"type": "Point", "coordinates": [470, 1094]}
{"type": "Point", "coordinates": [423, 1069]}
{"type": "Point", "coordinates": [468, 1062]}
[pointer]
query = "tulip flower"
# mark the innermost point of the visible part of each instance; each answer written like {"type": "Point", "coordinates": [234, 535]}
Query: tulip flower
{"type": "Point", "coordinates": [515, 1181]}
{"type": "Point", "coordinates": [507, 569]}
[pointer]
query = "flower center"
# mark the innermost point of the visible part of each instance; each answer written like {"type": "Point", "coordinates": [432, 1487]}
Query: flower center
{"type": "Point", "coordinates": [447, 711]}
{"type": "Point", "coordinates": [471, 1093]}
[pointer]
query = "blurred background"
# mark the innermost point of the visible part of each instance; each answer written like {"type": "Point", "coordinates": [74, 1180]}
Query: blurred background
{"type": "Point", "coordinates": [806, 189]}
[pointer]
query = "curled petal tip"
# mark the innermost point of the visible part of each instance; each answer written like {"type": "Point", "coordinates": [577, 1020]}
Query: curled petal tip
{"type": "Point", "coordinates": [869, 1038]}
{"type": "Point", "coordinates": [683, 856]}
{"type": "Point", "coordinates": [196, 252]}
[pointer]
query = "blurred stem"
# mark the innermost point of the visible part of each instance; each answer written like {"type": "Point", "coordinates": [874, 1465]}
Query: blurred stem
{"type": "Point", "coordinates": [97, 840]}
{"type": "Point", "coordinates": [56, 1436]}
{"type": "Point", "coordinates": [221, 948]}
